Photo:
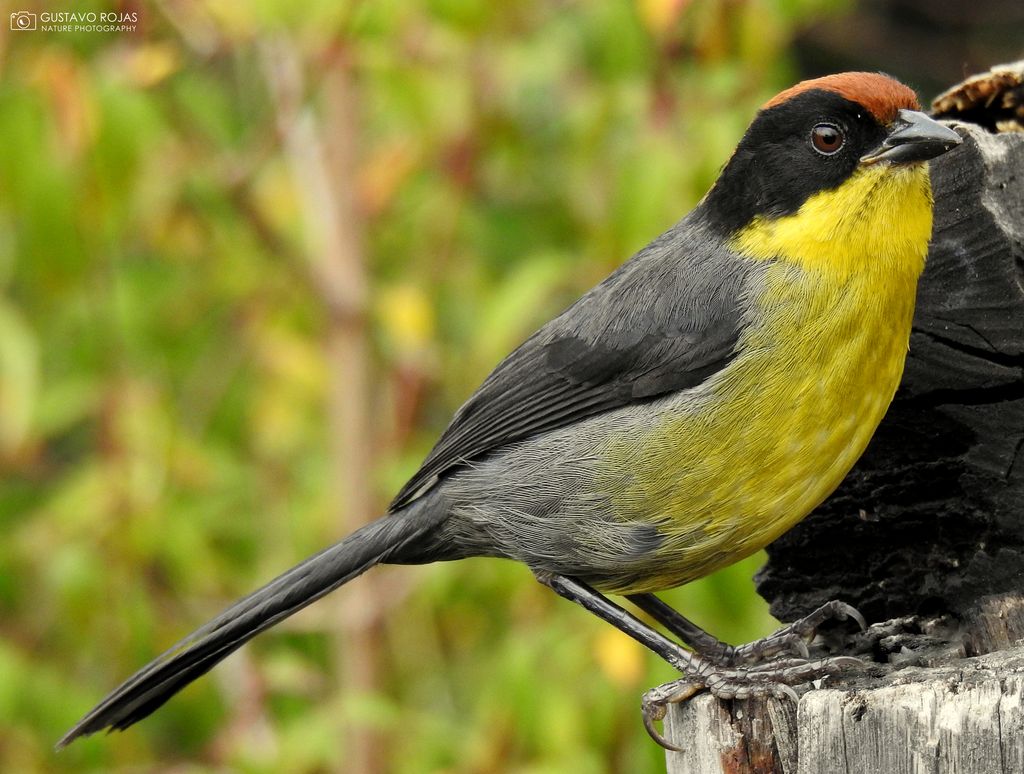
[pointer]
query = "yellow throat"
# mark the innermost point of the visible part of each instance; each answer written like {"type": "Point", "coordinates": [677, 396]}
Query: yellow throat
{"type": "Point", "coordinates": [878, 222]}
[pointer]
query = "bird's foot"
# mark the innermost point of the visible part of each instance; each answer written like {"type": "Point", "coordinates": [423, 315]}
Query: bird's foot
{"type": "Point", "coordinates": [791, 639]}
{"type": "Point", "coordinates": [775, 678]}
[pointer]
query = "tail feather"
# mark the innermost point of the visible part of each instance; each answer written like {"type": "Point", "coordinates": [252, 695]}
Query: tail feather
{"type": "Point", "coordinates": [158, 681]}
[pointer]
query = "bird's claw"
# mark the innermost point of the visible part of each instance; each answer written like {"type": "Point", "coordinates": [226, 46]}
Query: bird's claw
{"type": "Point", "coordinates": [782, 643]}
{"type": "Point", "coordinates": [654, 705]}
{"type": "Point", "coordinates": [792, 639]}
{"type": "Point", "coordinates": [652, 714]}
{"type": "Point", "coordinates": [775, 679]}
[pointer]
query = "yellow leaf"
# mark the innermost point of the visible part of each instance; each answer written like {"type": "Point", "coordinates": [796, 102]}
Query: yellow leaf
{"type": "Point", "coordinates": [407, 317]}
{"type": "Point", "coordinates": [237, 21]}
{"type": "Point", "coordinates": [275, 197]}
{"type": "Point", "coordinates": [659, 15]}
{"type": "Point", "coordinates": [292, 360]}
{"type": "Point", "coordinates": [151, 63]}
{"type": "Point", "coordinates": [619, 657]}
{"type": "Point", "coordinates": [383, 174]}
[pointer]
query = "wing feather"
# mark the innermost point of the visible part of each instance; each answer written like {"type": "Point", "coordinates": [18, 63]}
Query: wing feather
{"type": "Point", "coordinates": [666, 320]}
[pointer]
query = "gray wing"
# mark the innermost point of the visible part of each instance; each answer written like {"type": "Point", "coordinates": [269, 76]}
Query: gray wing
{"type": "Point", "coordinates": [664, 321]}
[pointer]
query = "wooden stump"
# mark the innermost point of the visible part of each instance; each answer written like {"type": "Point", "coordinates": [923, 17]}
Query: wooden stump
{"type": "Point", "coordinates": [927, 532]}
{"type": "Point", "coordinates": [960, 718]}
{"type": "Point", "coordinates": [929, 709]}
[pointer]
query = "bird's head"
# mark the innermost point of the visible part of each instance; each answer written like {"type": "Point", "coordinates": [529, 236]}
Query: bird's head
{"type": "Point", "coordinates": [832, 170]}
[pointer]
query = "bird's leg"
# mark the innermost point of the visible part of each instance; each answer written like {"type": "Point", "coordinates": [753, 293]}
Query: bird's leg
{"type": "Point", "coordinates": [706, 645]}
{"type": "Point", "coordinates": [771, 679]}
{"type": "Point", "coordinates": [789, 640]}
{"type": "Point", "coordinates": [582, 594]}
{"type": "Point", "coordinates": [682, 659]}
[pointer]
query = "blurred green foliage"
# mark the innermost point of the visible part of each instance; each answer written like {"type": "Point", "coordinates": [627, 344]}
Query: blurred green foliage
{"type": "Point", "coordinates": [163, 386]}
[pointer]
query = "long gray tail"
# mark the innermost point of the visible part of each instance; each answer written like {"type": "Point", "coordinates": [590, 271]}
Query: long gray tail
{"type": "Point", "coordinates": [158, 681]}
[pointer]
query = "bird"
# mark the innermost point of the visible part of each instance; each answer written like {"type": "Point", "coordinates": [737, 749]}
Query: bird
{"type": "Point", "coordinates": [679, 416]}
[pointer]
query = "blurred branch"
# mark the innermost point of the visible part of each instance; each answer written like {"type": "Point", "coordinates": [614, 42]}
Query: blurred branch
{"type": "Point", "coordinates": [325, 185]}
{"type": "Point", "coordinates": [194, 26]}
{"type": "Point", "coordinates": [325, 174]}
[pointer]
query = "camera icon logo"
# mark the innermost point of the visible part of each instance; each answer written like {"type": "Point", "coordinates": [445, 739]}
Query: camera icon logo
{"type": "Point", "coordinates": [23, 20]}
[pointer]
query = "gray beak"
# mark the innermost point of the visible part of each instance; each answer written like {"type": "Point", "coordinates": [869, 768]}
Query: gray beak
{"type": "Point", "coordinates": [914, 137]}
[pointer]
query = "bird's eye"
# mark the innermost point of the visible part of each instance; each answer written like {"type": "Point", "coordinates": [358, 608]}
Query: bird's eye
{"type": "Point", "coordinates": [827, 138]}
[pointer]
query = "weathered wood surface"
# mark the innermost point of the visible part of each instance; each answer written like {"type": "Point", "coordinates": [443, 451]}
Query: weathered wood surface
{"type": "Point", "coordinates": [927, 532]}
{"type": "Point", "coordinates": [965, 717]}
{"type": "Point", "coordinates": [929, 709]}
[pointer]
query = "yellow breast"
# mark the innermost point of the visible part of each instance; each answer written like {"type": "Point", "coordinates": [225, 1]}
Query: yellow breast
{"type": "Point", "coordinates": [732, 466]}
